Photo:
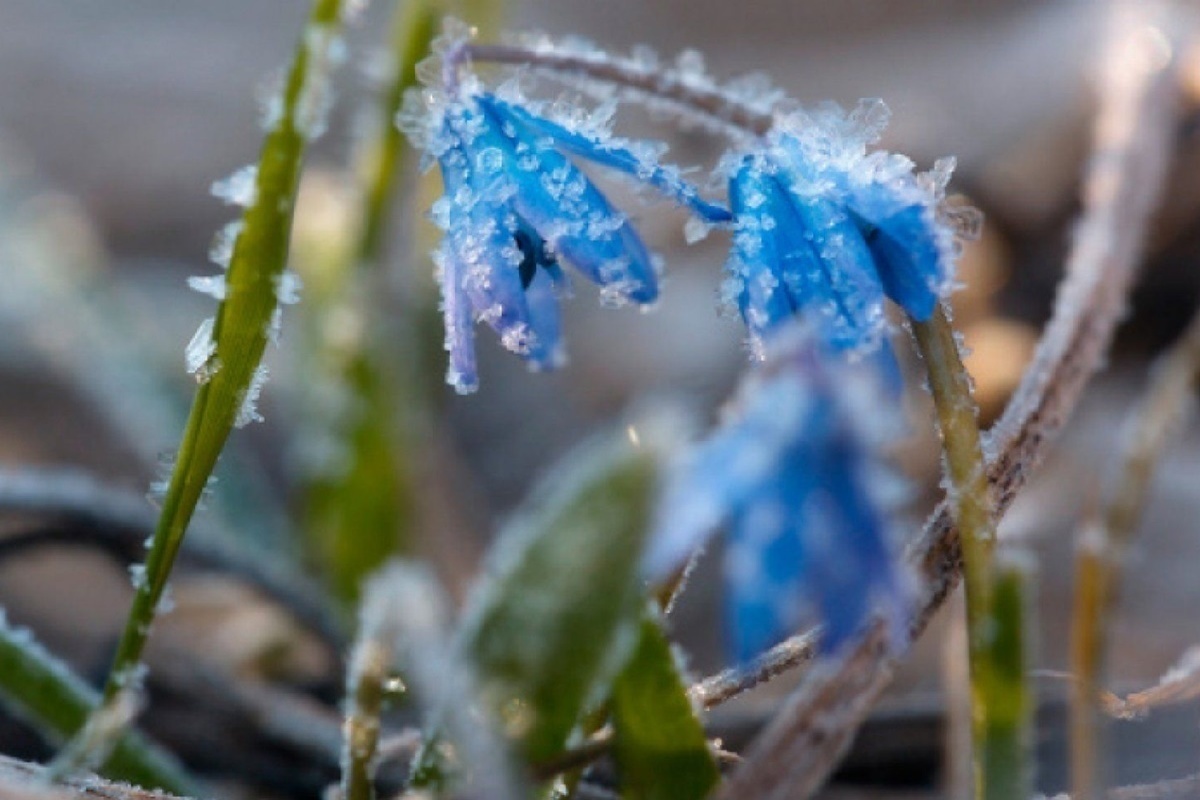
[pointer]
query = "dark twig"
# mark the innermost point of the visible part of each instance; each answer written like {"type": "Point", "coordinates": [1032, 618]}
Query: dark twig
{"type": "Point", "coordinates": [118, 521]}
{"type": "Point", "coordinates": [20, 780]}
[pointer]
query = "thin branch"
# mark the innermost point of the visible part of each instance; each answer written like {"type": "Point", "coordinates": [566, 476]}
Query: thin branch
{"type": "Point", "coordinates": [118, 521]}
{"type": "Point", "coordinates": [20, 780]}
{"type": "Point", "coordinates": [694, 94]}
{"type": "Point", "coordinates": [1102, 547]}
{"type": "Point", "coordinates": [795, 753]}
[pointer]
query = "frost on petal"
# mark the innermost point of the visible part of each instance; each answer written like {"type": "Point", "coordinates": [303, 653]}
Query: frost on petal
{"type": "Point", "coordinates": [593, 142]}
{"type": "Point", "coordinates": [796, 252]}
{"type": "Point", "coordinates": [460, 331]}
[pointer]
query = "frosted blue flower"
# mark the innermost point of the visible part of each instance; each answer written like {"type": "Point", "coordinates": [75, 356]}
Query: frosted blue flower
{"type": "Point", "coordinates": [824, 228]}
{"type": "Point", "coordinates": [794, 478]}
{"type": "Point", "coordinates": [514, 205]}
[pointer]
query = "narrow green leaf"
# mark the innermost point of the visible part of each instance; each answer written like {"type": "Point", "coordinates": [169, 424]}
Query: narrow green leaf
{"type": "Point", "coordinates": [43, 691]}
{"type": "Point", "coordinates": [554, 621]}
{"type": "Point", "coordinates": [660, 746]}
{"type": "Point", "coordinates": [244, 323]}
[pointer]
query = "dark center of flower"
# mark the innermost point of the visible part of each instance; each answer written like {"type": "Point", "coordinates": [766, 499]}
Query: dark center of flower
{"type": "Point", "coordinates": [533, 252]}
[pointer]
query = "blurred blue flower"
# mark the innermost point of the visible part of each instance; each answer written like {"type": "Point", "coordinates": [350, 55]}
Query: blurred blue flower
{"type": "Point", "coordinates": [795, 477]}
{"type": "Point", "coordinates": [514, 205]}
{"type": "Point", "coordinates": [825, 228]}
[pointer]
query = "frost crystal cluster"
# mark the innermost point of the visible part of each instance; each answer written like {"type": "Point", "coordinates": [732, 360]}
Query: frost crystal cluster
{"type": "Point", "coordinates": [825, 228]}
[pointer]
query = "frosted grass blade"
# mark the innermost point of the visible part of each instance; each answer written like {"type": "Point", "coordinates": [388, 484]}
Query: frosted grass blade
{"type": "Point", "coordinates": [38, 688]}
{"type": "Point", "coordinates": [245, 319]}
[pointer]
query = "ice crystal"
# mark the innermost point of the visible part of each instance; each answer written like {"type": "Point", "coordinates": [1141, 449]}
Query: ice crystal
{"type": "Point", "coordinates": [240, 188]}
{"type": "Point", "coordinates": [200, 353]}
{"type": "Point", "coordinates": [828, 229]}
{"type": "Point", "coordinates": [248, 409]}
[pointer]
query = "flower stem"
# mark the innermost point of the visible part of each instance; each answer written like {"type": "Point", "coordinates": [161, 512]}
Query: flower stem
{"type": "Point", "coordinates": [991, 626]}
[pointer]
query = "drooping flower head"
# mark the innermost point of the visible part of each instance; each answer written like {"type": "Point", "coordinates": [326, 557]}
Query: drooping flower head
{"type": "Point", "coordinates": [793, 476]}
{"type": "Point", "coordinates": [824, 228]}
{"type": "Point", "coordinates": [515, 205]}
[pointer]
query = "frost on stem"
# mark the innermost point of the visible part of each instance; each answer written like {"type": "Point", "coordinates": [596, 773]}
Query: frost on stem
{"type": "Point", "coordinates": [240, 188]}
{"type": "Point", "coordinates": [326, 50]}
{"type": "Point", "coordinates": [248, 407]}
{"type": "Point", "coordinates": [200, 353]}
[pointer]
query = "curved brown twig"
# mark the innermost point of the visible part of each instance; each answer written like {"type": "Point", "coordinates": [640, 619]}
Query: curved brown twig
{"type": "Point", "coordinates": [118, 522]}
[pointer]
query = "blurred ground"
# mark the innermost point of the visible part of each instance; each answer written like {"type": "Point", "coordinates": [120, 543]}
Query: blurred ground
{"type": "Point", "coordinates": [134, 107]}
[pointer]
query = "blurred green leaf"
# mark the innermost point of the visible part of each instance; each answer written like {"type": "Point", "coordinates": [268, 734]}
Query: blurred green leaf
{"type": "Point", "coordinates": [360, 507]}
{"type": "Point", "coordinates": [554, 620]}
{"type": "Point", "coordinates": [660, 746]}
{"type": "Point", "coordinates": [43, 691]}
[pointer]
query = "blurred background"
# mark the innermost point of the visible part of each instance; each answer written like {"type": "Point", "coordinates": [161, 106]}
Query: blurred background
{"type": "Point", "coordinates": [116, 117]}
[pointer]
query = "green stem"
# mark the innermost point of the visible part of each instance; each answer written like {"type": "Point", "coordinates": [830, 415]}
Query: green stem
{"type": "Point", "coordinates": [37, 687]}
{"type": "Point", "coordinates": [997, 747]}
{"type": "Point", "coordinates": [370, 668]}
{"type": "Point", "coordinates": [415, 26]}
{"type": "Point", "coordinates": [1006, 745]}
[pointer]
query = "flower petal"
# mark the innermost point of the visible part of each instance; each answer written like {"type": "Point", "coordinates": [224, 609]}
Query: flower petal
{"type": "Point", "coordinates": [610, 154]}
{"type": "Point", "coordinates": [460, 327]}
{"type": "Point", "coordinates": [570, 213]}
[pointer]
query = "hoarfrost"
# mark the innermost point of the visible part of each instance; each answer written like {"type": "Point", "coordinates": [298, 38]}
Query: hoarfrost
{"type": "Point", "coordinates": [248, 411]}
{"type": "Point", "coordinates": [221, 250]}
{"type": "Point", "coordinates": [199, 353]}
{"type": "Point", "coordinates": [326, 50]}
{"type": "Point", "coordinates": [137, 577]}
{"type": "Point", "coordinates": [287, 288]}
{"type": "Point", "coordinates": [239, 189]}
{"type": "Point", "coordinates": [211, 285]}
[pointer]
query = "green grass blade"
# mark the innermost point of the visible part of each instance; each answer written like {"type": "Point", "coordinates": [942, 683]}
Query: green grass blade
{"type": "Point", "coordinates": [41, 690]}
{"type": "Point", "coordinates": [660, 747]}
{"type": "Point", "coordinates": [244, 322]}
{"type": "Point", "coordinates": [551, 627]}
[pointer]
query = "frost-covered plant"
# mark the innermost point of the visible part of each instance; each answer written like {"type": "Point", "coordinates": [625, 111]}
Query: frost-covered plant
{"type": "Point", "coordinates": [513, 204]}
{"type": "Point", "coordinates": [561, 655]}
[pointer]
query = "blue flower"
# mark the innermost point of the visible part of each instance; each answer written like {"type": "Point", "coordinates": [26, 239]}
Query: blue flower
{"type": "Point", "coordinates": [793, 475]}
{"type": "Point", "coordinates": [824, 228]}
{"type": "Point", "coordinates": [514, 205]}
